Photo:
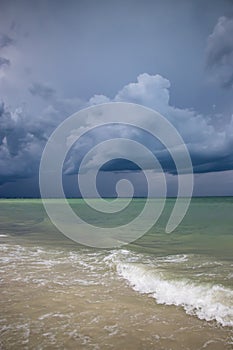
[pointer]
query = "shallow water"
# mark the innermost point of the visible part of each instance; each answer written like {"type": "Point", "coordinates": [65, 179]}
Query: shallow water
{"type": "Point", "coordinates": [162, 292]}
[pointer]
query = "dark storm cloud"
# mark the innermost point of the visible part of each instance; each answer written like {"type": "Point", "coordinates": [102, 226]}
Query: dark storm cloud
{"type": "Point", "coordinates": [5, 41]}
{"type": "Point", "coordinates": [219, 52]}
{"type": "Point", "coordinates": [21, 144]}
{"type": "Point", "coordinates": [210, 145]}
{"type": "Point", "coordinates": [22, 137]}
{"type": "Point", "coordinates": [4, 61]}
{"type": "Point", "coordinates": [203, 162]}
{"type": "Point", "coordinates": [66, 57]}
{"type": "Point", "coordinates": [42, 90]}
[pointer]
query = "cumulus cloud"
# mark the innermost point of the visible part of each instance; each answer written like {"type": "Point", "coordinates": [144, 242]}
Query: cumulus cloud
{"type": "Point", "coordinates": [23, 137]}
{"type": "Point", "coordinates": [98, 99]}
{"type": "Point", "coordinates": [149, 91]}
{"type": "Point", "coordinates": [219, 52]}
{"type": "Point", "coordinates": [210, 147]}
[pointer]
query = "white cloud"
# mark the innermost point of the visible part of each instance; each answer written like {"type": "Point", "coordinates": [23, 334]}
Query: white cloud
{"type": "Point", "coordinates": [210, 147]}
{"type": "Point", "coordinates": [149, 90]}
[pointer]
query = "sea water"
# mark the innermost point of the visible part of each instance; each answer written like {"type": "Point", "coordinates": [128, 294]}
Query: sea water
{"type": "Point", "coordinates": [164, 291]}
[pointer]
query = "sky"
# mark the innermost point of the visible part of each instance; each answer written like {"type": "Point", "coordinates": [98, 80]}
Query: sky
{"type": "Point", "coordinates": [58, 57]}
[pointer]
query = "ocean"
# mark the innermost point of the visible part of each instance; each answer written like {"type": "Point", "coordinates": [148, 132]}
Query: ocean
{"type": "Point", "coordinates": [163, 291]}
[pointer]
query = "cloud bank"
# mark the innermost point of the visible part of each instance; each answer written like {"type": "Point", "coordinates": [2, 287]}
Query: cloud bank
{"type": "Point", "coordinates": [22, 136]}
{"type": "Point", "coordinates": [210, 146]}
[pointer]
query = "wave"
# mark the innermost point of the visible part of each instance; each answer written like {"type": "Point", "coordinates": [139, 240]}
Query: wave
{"type": "Point", "coordinates": [208, 302]}
{"type": "Point", "coordinates": [155, 276]}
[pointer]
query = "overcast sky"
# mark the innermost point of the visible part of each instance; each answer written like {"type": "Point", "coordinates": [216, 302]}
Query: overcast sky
{"type": "Point", "coordinates": [57, 57]}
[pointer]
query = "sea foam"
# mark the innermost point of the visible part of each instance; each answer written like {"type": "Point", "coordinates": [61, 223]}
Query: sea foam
{"type": "Point", "coordinates": [206, 301]}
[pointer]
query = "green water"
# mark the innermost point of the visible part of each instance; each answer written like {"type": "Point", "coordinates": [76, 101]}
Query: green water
{"type": "Point", "coordinates": [206, 229]}
{"type": "Point", "coordinates": [163, 291]}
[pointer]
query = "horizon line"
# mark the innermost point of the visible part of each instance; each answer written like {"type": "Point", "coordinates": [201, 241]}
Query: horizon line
{"type": "Point", "coordinates": [109, 197]}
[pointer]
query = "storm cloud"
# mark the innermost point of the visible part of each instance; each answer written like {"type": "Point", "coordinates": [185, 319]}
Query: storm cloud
{"type": "Point", "coordinates": [22, 138]}
{"type": "Point", "coordinates": [57, 59]}
{"type": "Point", "coordinates": [210, 147]}
{"type": "Point", "coordinates": [20, 146]}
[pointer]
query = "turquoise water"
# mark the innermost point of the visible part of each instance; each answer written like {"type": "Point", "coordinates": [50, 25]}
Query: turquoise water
{"type": "Point", "coordinates": [206, 229]}
{"type": "Point", "coordinates": [165, 291]}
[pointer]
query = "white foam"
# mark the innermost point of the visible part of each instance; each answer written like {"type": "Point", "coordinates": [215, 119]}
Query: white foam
{"type": "Point", "coordinates": [174, 258]}
{"type": "Point", "coordinates": [206, 301]}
